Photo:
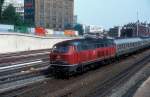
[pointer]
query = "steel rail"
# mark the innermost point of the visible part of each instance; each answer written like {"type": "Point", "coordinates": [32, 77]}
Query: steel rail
{"type": "Point", "coordinates": [23, 58]}
{"type": "Point", "coordinates": [20, 67]}
{"type": "Point", "coordinates": [24, 61]}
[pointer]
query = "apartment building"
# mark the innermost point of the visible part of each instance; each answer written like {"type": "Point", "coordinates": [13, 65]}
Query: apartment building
{"type": "Point", "coordinates": [54, 14]}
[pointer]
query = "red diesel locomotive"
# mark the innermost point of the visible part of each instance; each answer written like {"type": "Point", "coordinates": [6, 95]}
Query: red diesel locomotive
{"type": "Point", "coordinates": [73, 56]}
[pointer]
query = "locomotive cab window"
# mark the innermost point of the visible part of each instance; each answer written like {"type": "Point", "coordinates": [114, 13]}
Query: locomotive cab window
{"type": "Point", "coordinates": [61, 49]}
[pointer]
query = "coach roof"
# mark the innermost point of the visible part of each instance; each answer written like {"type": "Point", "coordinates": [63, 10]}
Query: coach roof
{"type": "Point", "coordinates": [128, 40]}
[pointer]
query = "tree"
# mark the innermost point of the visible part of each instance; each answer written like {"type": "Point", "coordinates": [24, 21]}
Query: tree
{"type": "Point", "coordinates": [29, 23]}
{"type": "Point", "coordinates": [1, 5]}
{"type": "Point", "coordinates": [79, 28]}
{"type": "Point", "coordinates": [9, 16]}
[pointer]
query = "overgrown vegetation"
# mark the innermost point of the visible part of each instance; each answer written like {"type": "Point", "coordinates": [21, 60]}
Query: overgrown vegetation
{"type": "Point", "coordinates": [1, 5]}
{"type": "Point", "coordinates": [9, 16]}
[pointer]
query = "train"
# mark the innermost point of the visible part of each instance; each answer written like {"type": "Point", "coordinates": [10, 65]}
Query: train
{"type": "Point", "coordinates": [73, 56]}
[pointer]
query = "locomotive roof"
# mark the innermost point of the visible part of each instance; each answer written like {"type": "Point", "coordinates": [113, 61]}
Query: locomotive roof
{"type": "Point", "coordinates": [128, 40]}
{"type": "Point", "coordinates": [84, 41]}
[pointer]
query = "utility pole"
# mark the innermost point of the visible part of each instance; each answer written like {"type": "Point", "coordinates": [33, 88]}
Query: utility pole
{"type": "Point", "coordinates": [137, 24]}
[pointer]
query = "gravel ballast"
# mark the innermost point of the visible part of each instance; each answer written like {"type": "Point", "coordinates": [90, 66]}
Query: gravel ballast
{"type": "Point", "coordinates": [81, 86]}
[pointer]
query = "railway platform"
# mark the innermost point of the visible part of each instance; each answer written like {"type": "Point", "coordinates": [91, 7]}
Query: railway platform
{"type": "Point", "coordinates": [144, 90]}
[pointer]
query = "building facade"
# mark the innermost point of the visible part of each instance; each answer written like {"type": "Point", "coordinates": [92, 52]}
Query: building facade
{"type": "Point", "coordinates": [130, 30]}
{"type": "Point", "coordinates": [134, 29]}
{"type": "Point", "coordinates": [93, 29]}
{"type": "Point", "coordinates": [54, 14]}
{"type": "Point", "coordinates": [29, 11]}
{"type": "Point", "coordinates": [115, 31]}
{"type": "Point", "coordinates": [75, 19]}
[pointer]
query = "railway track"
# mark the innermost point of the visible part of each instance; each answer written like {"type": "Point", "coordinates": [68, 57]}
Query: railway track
{"type": "Point", "coordinates": [104, 89]}
{"type": "Point", "coordinates": [21, 73]}
{"type": "Point", "coordinates": [23, 53]}
{"type": "Point", "coordinates": [20, 57]}
{"type": "Point", "coordinates": [17, 71]}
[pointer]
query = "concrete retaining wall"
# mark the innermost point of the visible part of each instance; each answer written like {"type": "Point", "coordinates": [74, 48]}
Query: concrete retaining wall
{"type": "Point", "coordinates": [13, 42]}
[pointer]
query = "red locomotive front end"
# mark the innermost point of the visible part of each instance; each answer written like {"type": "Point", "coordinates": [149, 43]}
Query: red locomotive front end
{"type": "Point", "coordinates": [62, 58]}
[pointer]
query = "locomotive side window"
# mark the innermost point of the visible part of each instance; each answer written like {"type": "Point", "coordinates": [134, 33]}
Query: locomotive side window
{"type": "Point", "coordinates": [102, 45]}
{"type": "Point", "coordinates": [79, 48]}
{"type": "Point", "coordinates": [91, 46]}
{"type": "Point", "coordinates": [97, 45]}
{"type": "Point", "coordinates": [84, 47]}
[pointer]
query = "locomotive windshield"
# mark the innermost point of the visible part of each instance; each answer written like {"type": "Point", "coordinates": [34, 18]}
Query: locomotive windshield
{"type": "Point", "coordinates": [60, 49]}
